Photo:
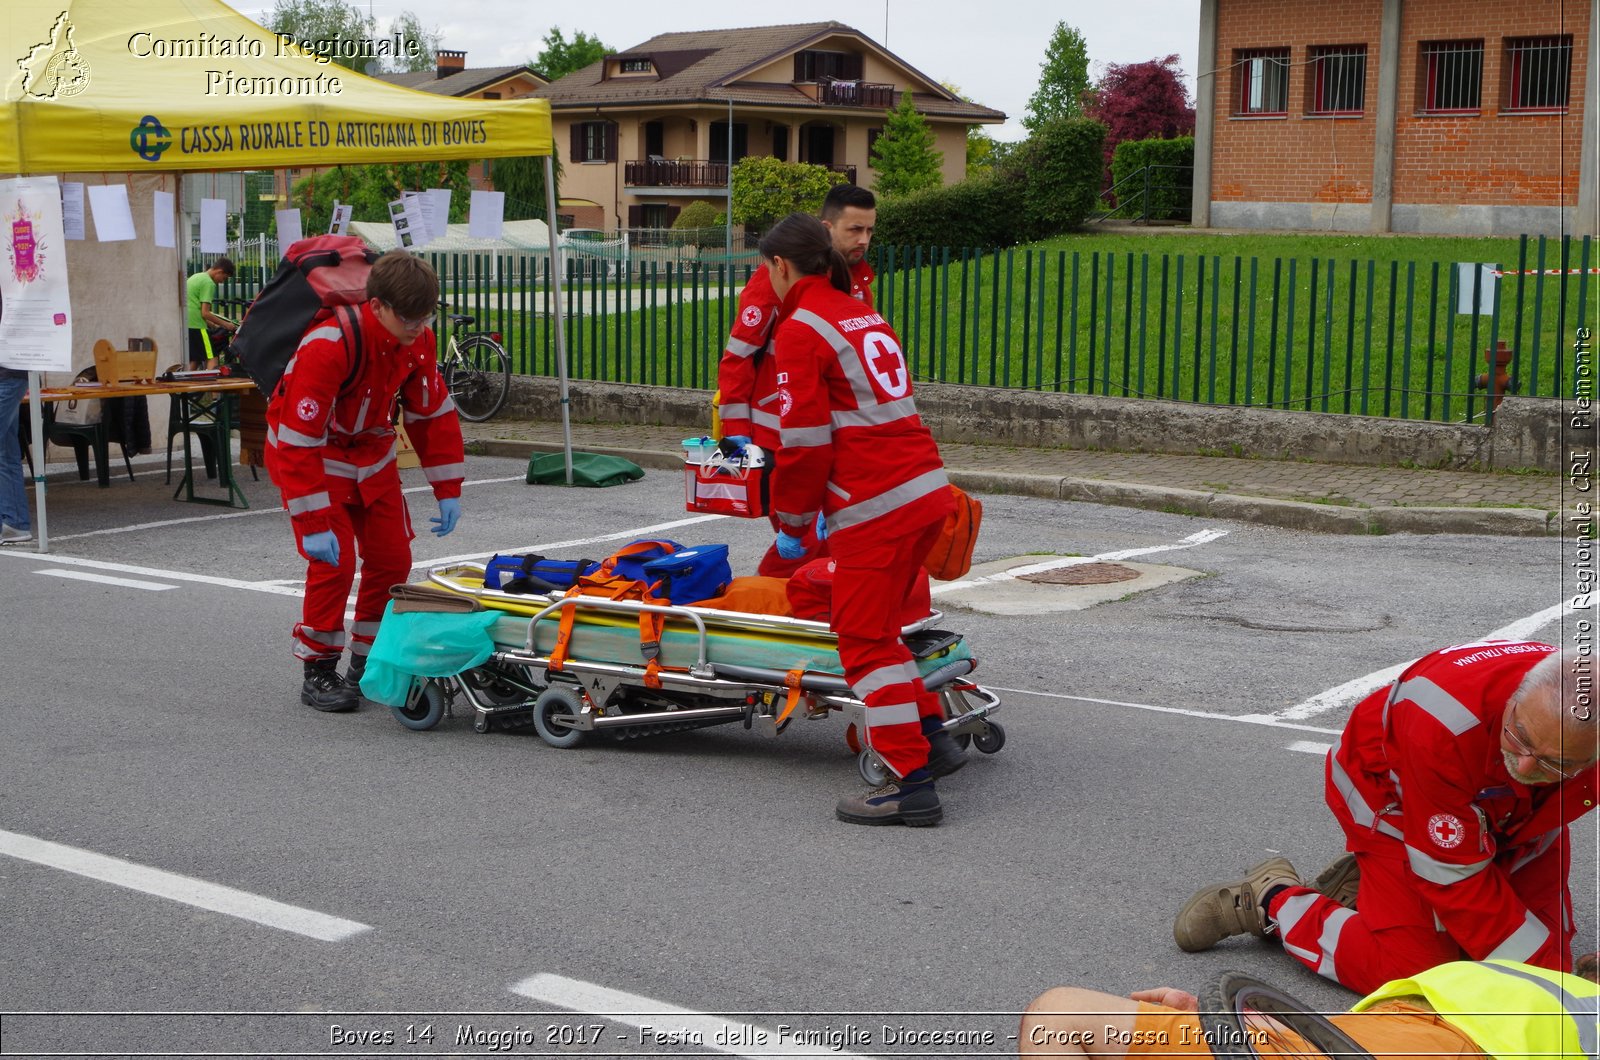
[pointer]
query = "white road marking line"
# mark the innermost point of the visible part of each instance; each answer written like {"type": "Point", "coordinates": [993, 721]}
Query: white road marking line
{"type": "Point", "coordinates": [1250, 719]}
{"type": "Point", "coordinates": [174, 575]}
{"type": "Point", "coordinates": [1311, 747]}
{"type": "Point", "coordinates": [1361, 687]}
{"type": "Point", "coordinates": [578, 542]}
{"type": "Point", "coordinates": [106, 579]}
{"type": "Point", "coordinates": [635, 1011]}
{"type": "Point", "coordinates": [1057, 562]}
{"type": "Point", "coordinates": [184, 889]}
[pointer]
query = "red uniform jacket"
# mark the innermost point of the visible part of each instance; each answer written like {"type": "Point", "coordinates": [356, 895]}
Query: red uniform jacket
{"type": "Point", "coordinates": [854, 447]}
{"type": "Point", "coordinates": [747, 377]}
{"type": "Point", "coordinates": [329, 445]}
{"type": "Point", "coordinates": [1420, 764]}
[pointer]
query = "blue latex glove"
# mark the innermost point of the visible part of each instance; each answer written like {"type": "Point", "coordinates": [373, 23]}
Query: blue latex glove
{"type": "Point", "coordinates": [822, 527]}
{"type": "Point", "coordinates": [789, 546]}
{"type": "Point", "coordinates": [322, 547]}
{"type": "Point", "coordinates": [449, 514]}
{"type": "Point", "coordinates": [741, 440]}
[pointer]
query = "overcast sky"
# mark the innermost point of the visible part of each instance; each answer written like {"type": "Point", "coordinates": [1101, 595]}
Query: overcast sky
{"type": "Point", "coordinates": [991, 51]}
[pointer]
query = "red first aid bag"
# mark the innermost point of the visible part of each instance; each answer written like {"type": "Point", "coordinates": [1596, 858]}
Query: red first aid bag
{"type": "Point", "coordinates": [720, 485]}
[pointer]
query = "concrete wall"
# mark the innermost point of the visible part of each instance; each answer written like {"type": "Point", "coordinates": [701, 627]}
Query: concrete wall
{"type": "Point", "coordinates": [1527, 432]}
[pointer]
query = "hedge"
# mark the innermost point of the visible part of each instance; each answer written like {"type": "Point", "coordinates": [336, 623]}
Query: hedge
{"type": "Point", "coordinates": [1170, 190]}
{"type": "Point", "coordinates": [981, 211]}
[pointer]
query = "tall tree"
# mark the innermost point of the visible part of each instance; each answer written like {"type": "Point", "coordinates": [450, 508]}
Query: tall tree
{"type": "Point", "coordinates": [328, 23]}
{"type": "Point", "coordinates": [561, 57]}
{"type": "Point", "coordinates": [1142, 101]}
{"type": "Point", "coordinates": [408, 28]}
{"type": "Point", "coordinates": [522, 180]}
{"type": "Point", "coordinates": [1063, 79]}
{"type": "Point", "coordinates": [903, 155]}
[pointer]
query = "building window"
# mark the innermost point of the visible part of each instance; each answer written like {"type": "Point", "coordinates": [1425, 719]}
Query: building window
{"type": "Point", "coordinates": [814, 65]}
{"type": "Point", "coordinates": [1538, 70]}
{"type": "Point", "coordinates": [719, 141]}
{"type": "Point", "coordinates": [1262, 81]}
{"type": "Point", "coordinates": [1338, 79]}
{"type": "Point", "coordinates": [1452, 76]}
{"type": "Point", "coordinates": [594, 141]}
{"type": "Point", "coordinates": [491, 95]}
{"type": "Point", "coordinates": [636, 66]}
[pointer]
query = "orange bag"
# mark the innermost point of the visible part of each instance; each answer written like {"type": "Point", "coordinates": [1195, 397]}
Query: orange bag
{"type": "Point", "coordinates": [951, 555]}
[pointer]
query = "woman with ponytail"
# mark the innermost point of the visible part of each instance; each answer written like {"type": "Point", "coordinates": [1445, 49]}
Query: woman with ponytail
{"type": "Point", "coordinates": [856, 453]}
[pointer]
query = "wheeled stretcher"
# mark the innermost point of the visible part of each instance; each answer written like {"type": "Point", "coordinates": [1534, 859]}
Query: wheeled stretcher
{"type": "Point", "coordinates": [715, 667]}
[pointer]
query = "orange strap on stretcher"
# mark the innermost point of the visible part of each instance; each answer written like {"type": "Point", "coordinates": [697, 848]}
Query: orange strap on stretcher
{"type": "Point", "coordinates": [791, 681]}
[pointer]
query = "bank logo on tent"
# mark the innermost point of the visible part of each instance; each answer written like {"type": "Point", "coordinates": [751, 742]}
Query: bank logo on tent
{"type": "Point", "coordinates": [150, 138]}
{"type": "Point", "coordinates": [55, 68]}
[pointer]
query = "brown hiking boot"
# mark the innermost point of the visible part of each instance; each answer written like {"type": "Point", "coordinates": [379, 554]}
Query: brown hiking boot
{"type": "Point", "coordinates": [1340, 880]}
{"type": "Point", "coordinates": [1226, 909]}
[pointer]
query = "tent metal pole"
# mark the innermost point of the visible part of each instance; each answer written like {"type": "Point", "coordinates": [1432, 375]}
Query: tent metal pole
{"type": "Point", "coordinates": [557, 316]}
{"type": "Point", "coordinates": [36, 422]}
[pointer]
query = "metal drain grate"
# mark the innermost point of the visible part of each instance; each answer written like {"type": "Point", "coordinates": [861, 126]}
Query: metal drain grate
{"type": "Point", "coordinates": [1082, 574]}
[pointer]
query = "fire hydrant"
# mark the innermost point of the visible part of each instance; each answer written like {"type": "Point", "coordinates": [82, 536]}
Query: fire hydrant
{"type": "Point", "coordinates": [1500, 357]}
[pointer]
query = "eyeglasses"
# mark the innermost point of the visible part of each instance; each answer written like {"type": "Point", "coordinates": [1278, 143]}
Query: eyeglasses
{"type": "Point", "coordinates": [412, 323]}
{"type": "Point", "coordinates": [1526, 751]}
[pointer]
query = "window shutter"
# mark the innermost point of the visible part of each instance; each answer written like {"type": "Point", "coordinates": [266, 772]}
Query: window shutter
{"type": "Point", "coordinates": [799, 66]}
{"type": "Point", "coordinates": [672, 215]}
{"type": "Point", "coordinates": [854, 64]}
{"type": "Point", "coordinates": [611, 141]}
{"type": "Point", "coordinates": [577, 142]}
{"type": "Point", "coordinates": [636, 217]}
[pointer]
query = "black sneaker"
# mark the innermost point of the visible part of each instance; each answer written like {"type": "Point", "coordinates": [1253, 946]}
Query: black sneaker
{"type": "Point", "coordinates": [912, 803]}
{"type": "Point", "coordinates": [325, 690]}
{"type": "Point", "coordinates": [945, 754]}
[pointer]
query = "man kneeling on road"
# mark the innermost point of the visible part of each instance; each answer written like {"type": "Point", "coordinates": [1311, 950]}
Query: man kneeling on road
{"type": "Point", "coordinates": [331, 449]}
{"type": "Point", "coordinates": [1464, 1009]}
{"type": "Point", "coordinates": [1454, 786]}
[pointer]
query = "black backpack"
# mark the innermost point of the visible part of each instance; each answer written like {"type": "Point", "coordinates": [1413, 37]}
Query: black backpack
{"type": "Point", "coordinates": [316, 276]}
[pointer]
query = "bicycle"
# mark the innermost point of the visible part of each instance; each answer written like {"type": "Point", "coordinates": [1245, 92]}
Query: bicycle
{"type": "Point", "coordinates": [1244, 1018]}
{"type": "Point", "coordinates": [476, 370]}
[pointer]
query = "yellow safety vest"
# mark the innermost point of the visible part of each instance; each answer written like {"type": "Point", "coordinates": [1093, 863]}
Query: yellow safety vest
{"type": "Point", "coordinates": [1510, 1010]}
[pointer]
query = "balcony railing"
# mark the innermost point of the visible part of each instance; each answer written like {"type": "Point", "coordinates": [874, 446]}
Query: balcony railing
{"type": "Point", "coordinates": [690, 173]}
{"type": "Point", "coordinates": [870, 94]}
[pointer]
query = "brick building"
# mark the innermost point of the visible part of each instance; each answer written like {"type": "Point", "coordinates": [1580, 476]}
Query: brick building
{"type": "Point", "coordinates": [1397, 116]}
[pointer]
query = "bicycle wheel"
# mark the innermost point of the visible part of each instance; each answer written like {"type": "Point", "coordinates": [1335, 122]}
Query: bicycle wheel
{"type": "Point", "coordinates": [481, 379]}
{"type": "Point", "coordinates": [1244, 1018]}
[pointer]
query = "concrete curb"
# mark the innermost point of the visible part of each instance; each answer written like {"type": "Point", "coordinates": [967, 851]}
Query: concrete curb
{"type": "Point", "coordinates": [1269, 511]}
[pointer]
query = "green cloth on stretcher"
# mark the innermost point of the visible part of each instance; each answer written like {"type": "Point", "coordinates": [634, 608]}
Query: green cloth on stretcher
{"type": "Point", "coordinates": [423, 644]}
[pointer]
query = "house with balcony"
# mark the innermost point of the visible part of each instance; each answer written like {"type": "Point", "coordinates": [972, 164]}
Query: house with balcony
{"type": "Point", "coordinates": [1398, 116]}
{"type": "Point", "coordinates": [648, 130]}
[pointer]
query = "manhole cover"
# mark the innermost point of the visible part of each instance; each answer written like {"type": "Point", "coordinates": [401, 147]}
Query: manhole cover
{"type": "Point", "coordinates": [1082, 574]}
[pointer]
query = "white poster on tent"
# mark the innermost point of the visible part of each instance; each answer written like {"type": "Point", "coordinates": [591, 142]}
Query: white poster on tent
{"type": "Point", "coordinates": [439, 219]}
{"type": "Point", "coordinates": [406, 216]}
{"type": "Point", "coordinates": [166, 218]}
{"type": "Point", "coordinates": [35, 310]}
{"type": "Point", "coordinates": [72, 209]}
{"type": "Point", "coordinates": [486, 214]}
{"type": "Point", "coordinates": [423, 207]}
{"type": "Point", "coordinates": [339, 223]}
{"type": "Point", "coordinates": [289, 230]}
{"type": "Point", "coordinates": [214, 226]}
{"type": "Point", "coordinates": [113, 217]}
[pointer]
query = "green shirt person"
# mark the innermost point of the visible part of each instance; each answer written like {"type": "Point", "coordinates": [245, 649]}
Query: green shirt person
{"type": "Point", "coordinates": [202, 292]}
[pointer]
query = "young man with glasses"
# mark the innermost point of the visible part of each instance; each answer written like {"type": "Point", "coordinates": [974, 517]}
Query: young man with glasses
{"type": "Point", "coordinates": [331, 449]}
{"type": "Point", "coordinates": [1454, 785]}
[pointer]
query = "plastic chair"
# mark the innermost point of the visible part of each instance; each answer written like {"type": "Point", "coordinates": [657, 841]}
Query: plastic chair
{"type": "Point", "coordinates": [83, 437]}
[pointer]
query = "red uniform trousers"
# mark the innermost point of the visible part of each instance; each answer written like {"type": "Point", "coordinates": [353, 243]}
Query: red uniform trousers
{"type": "Point", "coordinates": [379, 531]}
{"type": "Point", "coordinates": [871, 583]}
{"type": "Point", "coordinates": [1392, 934]}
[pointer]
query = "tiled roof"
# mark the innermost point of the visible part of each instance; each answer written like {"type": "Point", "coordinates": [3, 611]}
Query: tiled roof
{"type": "Point", "coordinates": [705, 65]}
{"type": "Point", "coordinates": [456, 84]}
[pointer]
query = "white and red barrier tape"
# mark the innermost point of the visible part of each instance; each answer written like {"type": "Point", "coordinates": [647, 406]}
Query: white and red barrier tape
{"type": "Point", "coordinates": [1545, 272]}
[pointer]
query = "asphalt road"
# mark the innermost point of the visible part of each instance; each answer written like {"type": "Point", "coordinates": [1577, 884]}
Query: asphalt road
{"type": "Point", "coordinates": [384, 879]}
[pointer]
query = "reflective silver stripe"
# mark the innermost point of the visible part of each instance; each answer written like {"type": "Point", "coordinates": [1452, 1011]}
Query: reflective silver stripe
{"type": "Point", "coordinates": [763, 418]}
{"type": "Point", "coordinates": [1328, 942]}
{"type": "Point", "coordinates": [803, 520]}
{"type": "Point", "coordinates": [884, 503]}
{"type": "Point", "coordinates": [329, 332]}
{"type": "Point", "coordinates": [364, 629]}
{"type": "Point", "coordinates": [1360, 812]}
{"type": "Point", "coordinates": [1443, 873]}
{"type": "Point", "coordinates": [1523, 942]}
{"type": "Point", "coordinates": [875, 415]}
{"type": "Point", "coordinates": [883, 677]}
{"type": "Point", "coordinates": [1292, 909]}
{"type": "Point", "coordinates": [842, 494]}
{"type": "Point", "coordinates": [294, 437]}
{"type": "Point", "coordinates": [806, 437]}
{"type": "Point", "coordinates": [849, 359]}
{"type": "Point", "coordinates": [445, 406]}
{"type": "Point", "coordinates": [891, 714]}
{"type": "Point", "coordinates": [1546, 841]}
{"type": "Point", "coordinates": [344, 469]}
{"type": "Point", "coordinates": [361, 413]}
{"type": "Point", "coordinates": [445, 472]}
{"type": "Point", "coordinates": [740, 411]}
{"type": "Point", "coordinates": [741, 348]}
{"type": "Point", "coordinates": [309, 503]}
{"type": "Point", "coordinates": [1445, 708]}
{"type": "Point", "coordinates": [1584, 1011]}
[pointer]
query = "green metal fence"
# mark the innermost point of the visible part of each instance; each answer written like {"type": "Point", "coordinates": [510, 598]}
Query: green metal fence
{"type": "Point", "coordinates": [1313, 334]}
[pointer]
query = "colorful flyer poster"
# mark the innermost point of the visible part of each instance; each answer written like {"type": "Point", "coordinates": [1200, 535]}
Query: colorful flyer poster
{"type": "Point", "coordinates": [340, 221]}
{"type": "Point", "coordinates": [35, 308]}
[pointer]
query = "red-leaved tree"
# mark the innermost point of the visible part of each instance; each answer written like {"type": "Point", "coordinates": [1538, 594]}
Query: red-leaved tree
{"type": "Point", "coordinates": [1141, 101]}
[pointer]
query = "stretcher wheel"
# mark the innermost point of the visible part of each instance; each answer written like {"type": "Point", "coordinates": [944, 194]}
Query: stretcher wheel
{"type": "Point", "coordinates": [552, 701]}
{"type": "Point", "coordinates": [991, 739]}
{"type": "Point", "coordinates": [871, 769]}
{"type": "Point", "coordinates": [423, 712]}
{"type": "Point", "coordinates": [852, 739]}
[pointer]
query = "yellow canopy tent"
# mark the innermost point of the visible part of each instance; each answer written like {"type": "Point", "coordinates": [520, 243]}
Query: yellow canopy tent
{"type": "Point", "coordinates": [153, 86]}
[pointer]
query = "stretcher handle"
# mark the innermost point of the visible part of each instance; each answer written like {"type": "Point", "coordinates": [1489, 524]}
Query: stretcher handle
{"type": "Point", "coordinates": [809, 682]}
{"type": "Point", "coordinates": [627, 607]}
